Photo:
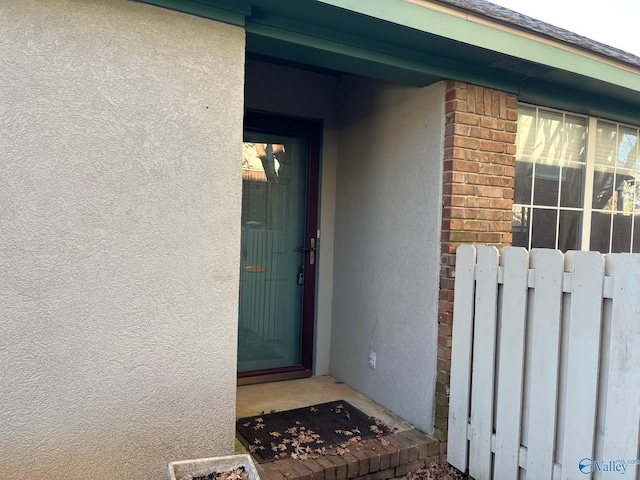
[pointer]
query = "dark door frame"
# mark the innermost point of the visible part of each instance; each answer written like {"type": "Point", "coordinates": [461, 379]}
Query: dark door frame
{"type": "Point", "coordinates": [311, 130]}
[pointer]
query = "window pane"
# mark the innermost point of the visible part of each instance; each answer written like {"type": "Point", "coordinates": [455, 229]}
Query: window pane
{"type": "Point", "coordinates": [606, 144]}
{"type": "Point", "coordinates": [525, 138]}
{"type": "Point", "coordinates": [543, 228]}
{"type": "Point", "coordinates": [621, 239]}
{"type": "Point", "coordinates": [548, 136]}
{"type": "Point", "coordinates": [520, 226]}
{"type": "Point", "coordinates": [600, 231]}
{"type": "Point", "coordinates": [627, 147]}
{"type": "Point", "coordinates": [628, 170]}
{"type": "Point", "coordinates": [626, 189]}
{"type": "Point", "coordinates": [575, 132]}
{"type": "Point", "coordinates": [522, 188]}
{"type": "Point", "coordinates": [545, 190]}
{"type": "Point", "coordinates": [572, 185]}
{"type": "Point", "coordinates": [603, 181]}
{"type": "Point", "coordinates": [636, 234]}
{"type": "Point", "coordinates": [569, 230]}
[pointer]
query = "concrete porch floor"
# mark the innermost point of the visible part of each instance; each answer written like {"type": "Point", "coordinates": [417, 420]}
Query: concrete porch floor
{"type": "Point", "coordinates": [403, 451]}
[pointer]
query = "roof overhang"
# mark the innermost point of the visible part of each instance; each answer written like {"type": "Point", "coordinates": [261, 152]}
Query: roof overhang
{"type": "Point", "coordinates": [419, 42]}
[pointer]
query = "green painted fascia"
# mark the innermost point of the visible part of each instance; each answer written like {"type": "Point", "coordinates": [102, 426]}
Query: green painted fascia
{"type": "Point", "coordinates": [484, 36]}
{"type": "Point", "coordinates": [366, 50]}
{"type": "Point", "coordinates": [233, 12]}
{"type": "Point", "coordinates": [579, 101]}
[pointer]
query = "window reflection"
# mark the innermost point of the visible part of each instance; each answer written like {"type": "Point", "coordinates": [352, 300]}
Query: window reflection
{"type": "Point", "coordinates": [262, 174]}
{"type": "Point", "coordinates": [616, 194]}
{"type": "Point", "coordinates": [549, 207]}
{"type": "Point", "coordinates": [550, 166]}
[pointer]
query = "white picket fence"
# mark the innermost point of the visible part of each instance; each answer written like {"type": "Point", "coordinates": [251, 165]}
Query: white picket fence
{"type": "Point", "coordinates": [545, 368]}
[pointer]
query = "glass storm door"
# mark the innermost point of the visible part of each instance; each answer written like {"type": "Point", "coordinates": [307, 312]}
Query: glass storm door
{"type": "Point", "coordinates": [278, 247]}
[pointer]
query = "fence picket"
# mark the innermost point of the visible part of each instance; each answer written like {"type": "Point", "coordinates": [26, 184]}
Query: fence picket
{"type": "Point", "coordinates": [622, 393]}
{"type": "Point", "coordinates": [551, 358]}
{"type": "Point", "coordinates": [461, 357]}
{"type": "Point", "coordinates": [545, 344]}
{"type": "Point", "coordinates": [511, 361]}
{"type": "Point", "coordinates": [484, 344]}
{"type": "Point", "coordinates": [587, 269]}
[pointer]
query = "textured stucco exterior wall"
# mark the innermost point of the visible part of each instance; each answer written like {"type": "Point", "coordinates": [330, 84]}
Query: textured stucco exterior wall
{"type": "Point", "coordinates": [119, 238]}
{"type": "Point", "coordinates": [388, 207]}
{"type": "Point", "coordinates": [299, 93]}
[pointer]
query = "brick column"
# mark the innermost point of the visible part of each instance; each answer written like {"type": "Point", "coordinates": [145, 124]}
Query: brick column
{"type": "Point", "coordinates": [479, 172]}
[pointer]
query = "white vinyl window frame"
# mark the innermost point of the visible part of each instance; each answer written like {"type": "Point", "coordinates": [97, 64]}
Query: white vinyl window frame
{"type": "Point", "coordinates": [586, 209]}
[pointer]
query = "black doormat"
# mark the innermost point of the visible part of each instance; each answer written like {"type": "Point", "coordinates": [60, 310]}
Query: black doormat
{"type": "Point", "coordinates": [324, 429]}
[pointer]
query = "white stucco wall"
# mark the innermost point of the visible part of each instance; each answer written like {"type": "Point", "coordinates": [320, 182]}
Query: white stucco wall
{"type": "Point", "coordinates": [119, 238]}
{"type": "Point", "coordinates": [387, 244]}
{"type": "Point", "coordinates": [288, 91]}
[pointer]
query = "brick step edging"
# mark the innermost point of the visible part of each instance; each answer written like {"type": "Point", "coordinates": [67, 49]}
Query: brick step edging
{"type": "Point", "coordinates": [382, 458]}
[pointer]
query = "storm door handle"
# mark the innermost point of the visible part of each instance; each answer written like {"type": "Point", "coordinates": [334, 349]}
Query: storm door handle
{"type": "Point", "coordinates": [311, 250]}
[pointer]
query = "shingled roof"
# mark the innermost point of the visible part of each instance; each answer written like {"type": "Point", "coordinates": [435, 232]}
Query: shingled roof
{"type": "Point", "coordinates": [518, 20]}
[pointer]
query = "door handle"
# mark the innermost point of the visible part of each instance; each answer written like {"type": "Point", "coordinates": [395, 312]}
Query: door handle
{"type": "Point", "coordinates": [311, 249]}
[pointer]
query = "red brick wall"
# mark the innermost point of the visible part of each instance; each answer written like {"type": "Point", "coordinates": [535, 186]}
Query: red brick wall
{"type": "Point", "coordinates": [479, 171]}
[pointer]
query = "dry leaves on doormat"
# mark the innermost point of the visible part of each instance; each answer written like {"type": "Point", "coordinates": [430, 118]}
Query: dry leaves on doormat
{"type": "Point", "coordinates": [438, 471]}
{"type": "Point", "coordinates": [331, 428]}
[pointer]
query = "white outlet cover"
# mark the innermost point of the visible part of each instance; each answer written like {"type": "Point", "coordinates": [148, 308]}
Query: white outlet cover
{"type": "Point", "coordinates": [372, 360]}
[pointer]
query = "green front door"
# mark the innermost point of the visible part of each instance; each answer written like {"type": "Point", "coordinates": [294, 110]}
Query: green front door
{"type": "Point", "coordinates": [277, 262]}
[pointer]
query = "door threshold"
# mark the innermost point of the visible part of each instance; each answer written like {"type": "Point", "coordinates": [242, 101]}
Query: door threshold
{"type": "Point", "coordinates": [273, 377]}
